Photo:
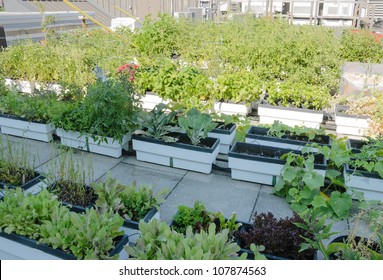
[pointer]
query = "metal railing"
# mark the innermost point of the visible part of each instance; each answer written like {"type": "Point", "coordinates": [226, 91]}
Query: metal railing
{"type": "Point", "coordinates": [20, 26]}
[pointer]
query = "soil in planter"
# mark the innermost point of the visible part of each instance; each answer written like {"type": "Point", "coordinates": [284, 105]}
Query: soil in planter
{"type": "Point", "coordinates": [16, 176]}
{"type": "Point", "coordinates": [318, 139]}
{"type": "Point", "coordinates": [205, 143]}
{"type": "Point", "coordinates": [74, 193]}
{"type": "Point", "coordinates": [264, 151]}
{"type": "Point", "coordinates": [281, 237]}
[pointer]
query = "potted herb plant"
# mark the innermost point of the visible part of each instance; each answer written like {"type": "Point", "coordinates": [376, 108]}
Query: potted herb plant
{"type": "Point", "coordinates": [130, 202]}
{"type": "Point", "coordinates": [27, 115]}
{"type": "Point", "coordinates": [364, 172]}
{"type": "Point", "coordinates": [55, 232]}
{"type": "Point", "coordinates": [200, 219]}
{"type": "Point", "coordinates": [17, 168]}
{"type": "Point", "coordinates": [67, 178]}
{"type": "Point", "coordinates": [294, 104]}
{"type": "Point", "coordinates": [158, 143]}
{"type": "Point", "coordinates": [262, 164]}
{"type": "Point", "coordinates": [286, 137]}
{"type": "Point", "coordinates": [159, 242]}
{"type": "Point", "coordinates": [103, 121]}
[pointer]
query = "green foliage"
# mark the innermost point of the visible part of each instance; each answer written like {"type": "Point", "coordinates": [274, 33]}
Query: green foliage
{"type": "Point", "coordinates": [370, 157]}
{"type": "Point", "coordinates": [301, 186]}
{"type": "Point", "coordinates": [131, 202]}
{"type": "Point", "coordinates": [279, 130]}
{"type": "Point", "coordinates": [34, 107]}
{"type": "Point", "coordinates": [200, 219]}
{"type": "Point", "coordinates": [299, 95]}
{"type": "Point", "coordinates": [315, 222]}
{"type": "Point", "coordinates": [159, 242]}
{"type": "Point", "coordinates": [360, 46]}
{"type": "Point", "coordinates": [197, 125]}
{"type": "Point", "coordinates": [41, 217]}
{"type": "Point", "coordinates": [68, 176]}
{"type": "Point", "coordinates": [107, 110]}
{"type": "Point", "coordinates": [157, 123]}
{"type": "Point", "coordinates": [16, 166]}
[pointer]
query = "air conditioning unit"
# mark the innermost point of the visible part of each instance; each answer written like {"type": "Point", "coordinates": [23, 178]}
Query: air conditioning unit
{"type": "Point", "coordinates": [198, 12]}
{"type": "Point", "coordinates": [183, 15]}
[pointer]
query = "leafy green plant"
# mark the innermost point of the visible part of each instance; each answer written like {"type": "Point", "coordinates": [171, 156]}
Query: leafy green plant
{"type": "Point", "coordinates": [200, 219]}
{"type": "Point", "coordinates": [370, 157]}
{"type": "Point", "coordinates": [197, 125]}
{"type": "Point", "coordinates": [159, 242]}
{"type": "Point", "coordinates": [41, 217]}
{"type": "Point", "coordinates": [278, 129]}
{"type": "Point", "coordinates": [107, 110]}
{"type": "Point", "coordinates": [315, 223]}
{"type": "Point", "coordinates": [369, 246]}
{"type": "Point", "coordinates": [16, 166]}
{"type": "Point", "coordinates": [157, 123]}
{"type": "Point", "coordinates": [301, 186]}
{"type": "Point", "coordinates": [131, 202]}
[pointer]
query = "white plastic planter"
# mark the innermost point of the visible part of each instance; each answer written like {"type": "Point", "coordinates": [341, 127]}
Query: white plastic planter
{"type": "Point", "coordinates": [130, 228]}
{"type": "Point", "coordinates": [85, 142]}
{"type": "Point", "coordinates": [177, 154]}
{"type": "Point", "coordinates": [352, 125]}
{"type": "Point", "coordinates": [16, 247]}
{"type": "Point", "coordinates": [225, 136]}
{"type": "Point", "coordinates": [258, 168]}
{"type": "Point", "coordinates": [29, 87]}
{"type": "Point", "coordinates": [371, 184]}
{"type": "Point", "coordinates": [289, 116]}
{"type": "Point", "coordinates": [229, 108]}
{"type": "Point", "coordinates": [19, 127]}
{"type": "Point", "coordinates": [259, 136]}
{"type": "Point", "coordinates": [151, 100]}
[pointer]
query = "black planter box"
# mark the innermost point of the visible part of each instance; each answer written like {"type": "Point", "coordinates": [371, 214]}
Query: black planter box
{"type": "Point", "coordinates": [261, 133]}
{"type": "Point", "coordinates": [134, 224]}
{"type": "Point", "coordinates": [269, 154]}
{"type": "Point", "coordinates": [210, 143]}
{"type": "Point", "coordinates": [229, 128]}
{"type": "Point", "coordinates": [38, 178]}
{"type": "Point", "coordinates": [120, 243]}
{"type": "Point", "coordinates": [73, 207]}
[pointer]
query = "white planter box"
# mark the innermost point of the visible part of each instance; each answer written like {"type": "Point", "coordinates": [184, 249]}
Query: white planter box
{"type": "Point", "coordinates": [29, 87]}
{"type": "Point", "coordinates": [352, 125]}
{"type": "Point", "coordinates": [151, 100]}
{"type": "Point", "coordinates": [130, 228]}
{"type": "Point", "coordinates": [19, 127]}
{"type": "Point", "coordinates": [15, 247]}
{"type": "Point", "coordinates": [260, 169]}
{"type": "Point", "coordinates": [259, 136]}
{"type": "Point", "coordinates": [232, 108]}
{"type": "Point", "coordinates": [78, 141]}
{"type": "Point", "coordinates": [226, 138]}
{"type": "Point", "coordinates": [366, 182]}
{"type": "Point", "coordinates": [176, 154]}
{"type": "Point", "coordinates": [289, 116]}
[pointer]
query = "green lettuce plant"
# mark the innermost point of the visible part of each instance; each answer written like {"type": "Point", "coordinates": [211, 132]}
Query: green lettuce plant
{"type": "Point", "coordinates": [131, 202]}
{"type": "Point", "coordinates": [197, 125]}
{"type": "Point", "coordinates": [159, 242]}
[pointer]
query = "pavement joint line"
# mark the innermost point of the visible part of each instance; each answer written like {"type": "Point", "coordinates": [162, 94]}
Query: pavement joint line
{"type": "Point", "coordinates": [183, 176]}
{"type": "Point", "coordinates": [255, 203]}
{"type": "Point", "coordinates": [152, 168]}
{"type": "Point", "coordinates": [110, 169]}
